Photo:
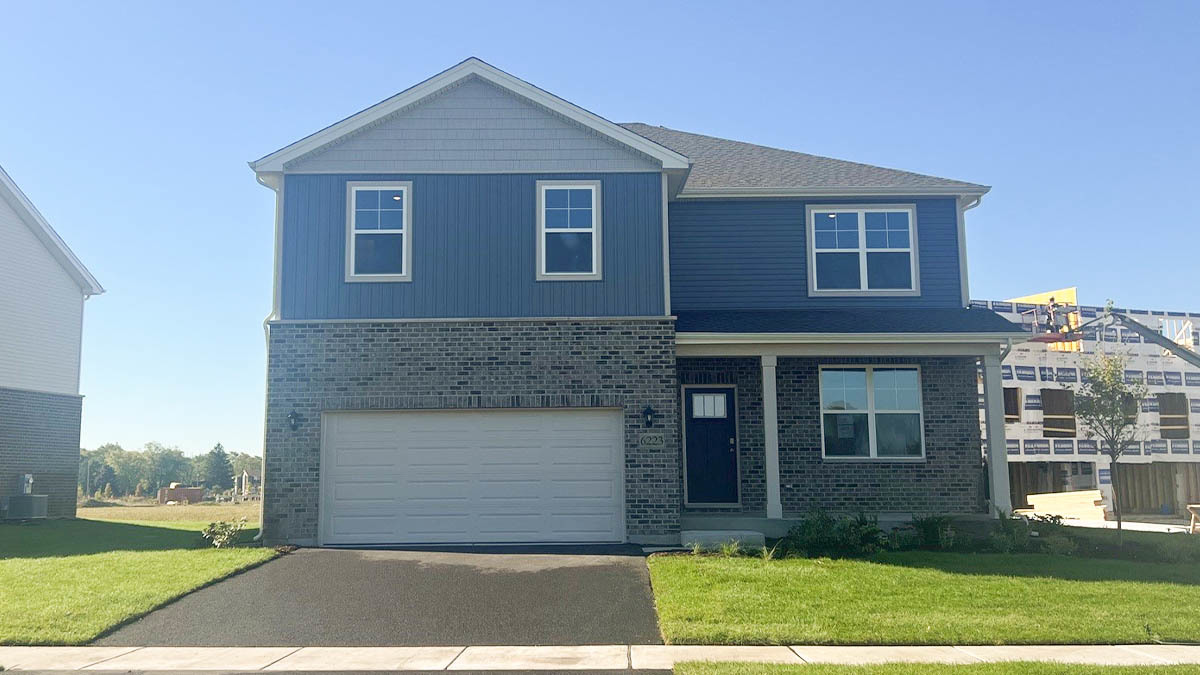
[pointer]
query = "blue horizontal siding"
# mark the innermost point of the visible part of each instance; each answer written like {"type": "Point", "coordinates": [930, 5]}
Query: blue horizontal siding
{"type": "Point", "coordinates": [751, 254]}
{"type": "Point", "coordinates": [474, 250]}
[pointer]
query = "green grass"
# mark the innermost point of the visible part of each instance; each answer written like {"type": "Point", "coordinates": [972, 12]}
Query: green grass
{"type": "Point", "coordinates": [69, 581]}
{"type": "Point", "coordinates": [924, 598]}
{"type": "Point", "coordinates": [1009, 668]}
{"type": "Point", "coordinates": [204, 512]}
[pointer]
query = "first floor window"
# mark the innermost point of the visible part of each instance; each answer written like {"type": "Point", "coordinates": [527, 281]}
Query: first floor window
{"type": "Point", "coordinates": [378, 234]}
{"type": "Point", "coordinates": [1012, 404]}
{"type": "Point", "coordinates": [569, 230]}
{"type": "Point", "coordinates": [1173, 415]}
{"type": "Point", "coordinates": [871, 411]}
{"type": "Point", "coordinates": [862, 249]}
{"type": "Point", "coordinates": [1058, 413]}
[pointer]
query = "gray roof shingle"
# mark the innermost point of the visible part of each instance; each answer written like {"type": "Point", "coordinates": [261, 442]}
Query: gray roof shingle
{"type": "Point", "coordinates": [720, 163]}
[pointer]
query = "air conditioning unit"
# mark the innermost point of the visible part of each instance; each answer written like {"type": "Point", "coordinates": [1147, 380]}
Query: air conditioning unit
{"type": "Point", "coordinates": [25, 507]}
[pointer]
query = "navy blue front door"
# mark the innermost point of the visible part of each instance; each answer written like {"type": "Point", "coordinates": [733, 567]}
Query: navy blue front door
{"type": "Point", "coordinates": [710, 427]}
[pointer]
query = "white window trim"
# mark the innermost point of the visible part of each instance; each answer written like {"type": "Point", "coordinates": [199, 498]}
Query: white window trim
{"type": "Point", "coordinates": [351, 188]}
{"type": "Point", "coordinates": [737, 442]}
{"type": "Point", "coordinates": [871, 411]}
{"type": "Point", "coordinates": [597, 248]}
{"type": "Point", "coordinates": [914, 268]}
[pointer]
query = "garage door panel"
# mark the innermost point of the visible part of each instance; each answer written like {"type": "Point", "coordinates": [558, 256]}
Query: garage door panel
{"type": "Point", "coordinates": [472, 476]}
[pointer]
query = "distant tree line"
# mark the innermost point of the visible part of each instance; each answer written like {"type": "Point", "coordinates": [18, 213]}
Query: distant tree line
{"type": "Point", "coordinates": [113, 471]}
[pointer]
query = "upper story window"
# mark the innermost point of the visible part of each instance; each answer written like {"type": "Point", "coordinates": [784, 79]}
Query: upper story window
{"type": "Point", "coordinates": [379, 231]}
{"type": "Point", "coordinates": [871, 412]}
{"type": "Point", "coordinates": [862, 250]}
{"type": "Point", "coordinates": [568, 230]}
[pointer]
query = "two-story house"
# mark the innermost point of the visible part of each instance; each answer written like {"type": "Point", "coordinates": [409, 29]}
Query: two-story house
{"type": "Point", "coordinates": [499, 317]}
{"type": "Point", "coordinates": [43, 287]}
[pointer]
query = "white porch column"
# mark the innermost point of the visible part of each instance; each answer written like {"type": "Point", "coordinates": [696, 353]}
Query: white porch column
{"type": "Point", "coordinates": [997, 450]}
{"type": "Point", "coordinates": [771, 436]}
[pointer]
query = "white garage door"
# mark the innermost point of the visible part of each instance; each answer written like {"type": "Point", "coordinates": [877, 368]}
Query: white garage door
{"type": "Point", "coordinates": [472, 476]}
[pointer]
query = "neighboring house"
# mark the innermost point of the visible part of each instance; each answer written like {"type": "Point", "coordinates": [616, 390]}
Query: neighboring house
{"type": "Point", "coordinates": [42, 289]}
{"type": "Point", "coordinates": [499, 317]}
{"type": "Point", "coordinates": [246, 484]}
{"type": "Point", "coordinates": [1049, 451]}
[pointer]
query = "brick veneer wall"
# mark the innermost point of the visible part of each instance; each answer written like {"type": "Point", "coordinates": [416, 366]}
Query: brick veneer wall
{"type": "Point", "coordinates": [948, 481]}
{"type": "Point", "coordinates": [39, 434]}
{"type": "Point", "coordinates": [315, 367]}
{"type": "Point", "coordinates": [746, 375]}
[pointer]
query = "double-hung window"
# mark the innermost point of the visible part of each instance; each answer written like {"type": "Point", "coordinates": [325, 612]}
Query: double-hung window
{"type": "Point", "coordinates": [871, 412]}
{"type": "Point", "coordinates": [862, 250]}
{"type": "Point", "coordinates": [568, 231]}
{"type": "Point", "coordinates": [379, 231]}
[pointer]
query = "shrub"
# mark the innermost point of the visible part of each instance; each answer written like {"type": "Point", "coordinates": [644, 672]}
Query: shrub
{"type": "Point", "coordinates": [1013, 535]}
{"type": "Point", "coordinates": [1057, 544]}
{"type": "Point", "coordinates": [821, 535]}
{"type": "Point", "coordinates": [934, 533]}
{"type": "Point", "coordinates": [224, 533]}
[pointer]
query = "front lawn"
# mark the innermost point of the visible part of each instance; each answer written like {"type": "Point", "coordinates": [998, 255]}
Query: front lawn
{"type": "Point", "coordinates": [1009, 668]}
{"type": "Point", "coordinates": [68, 581]}
{"type": "Point", "coordinates": [924, 598]}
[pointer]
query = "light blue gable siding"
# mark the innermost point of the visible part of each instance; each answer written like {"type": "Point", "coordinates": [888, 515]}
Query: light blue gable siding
{"type": "Point", "coordinates": [473, 250]}
{"type": "Point", "coordinates": [751, 254]}
{"type": "Point", "coordinates": [473, 127]}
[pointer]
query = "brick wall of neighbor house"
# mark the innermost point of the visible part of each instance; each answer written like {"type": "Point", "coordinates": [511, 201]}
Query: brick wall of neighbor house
{"type": "Point", "coordinates": [625, 363]}
{"type": "Point", "coordinates": [948, 481]}
{"type": "Point", "coordinates": [746, 375]}
{"type": "Point", "coordinates": [39, 434]}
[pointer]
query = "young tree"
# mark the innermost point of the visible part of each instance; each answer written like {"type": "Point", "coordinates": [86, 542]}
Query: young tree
{"type": "Point", "coordinates": [218, 470]}
{"type": "Point", "coordinates": [1107, 406]}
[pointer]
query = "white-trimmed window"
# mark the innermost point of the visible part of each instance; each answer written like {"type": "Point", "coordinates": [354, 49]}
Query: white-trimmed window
{"type": "Point", "coordinates": [379, 231]}
{"type": "Point", "coordinates": [871, 412]}
{"type": "Point", "coordinates": [862, 250]}
{"type": "Point", "coordinates": [568, 230]}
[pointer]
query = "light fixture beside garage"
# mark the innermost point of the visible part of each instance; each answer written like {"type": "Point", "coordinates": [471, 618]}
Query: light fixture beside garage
{"type": "Point", "coordinates": [648, 414]}
{"type": "Point", "coordinates": [293, 420]}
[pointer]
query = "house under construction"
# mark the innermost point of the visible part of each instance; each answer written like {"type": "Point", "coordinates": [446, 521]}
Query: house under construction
{"type": "Point", "coordinates": [1048, 451]}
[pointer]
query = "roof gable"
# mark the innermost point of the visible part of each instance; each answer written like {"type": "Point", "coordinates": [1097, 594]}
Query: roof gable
{"type": "Point", "coordinates": [472, 67]}
{"type": "Point", "coordinates": [58, 248]}
{"type": "Point", "coordinates": [473, 126]}
{"type": "Point", "coordinates": [722, 167]}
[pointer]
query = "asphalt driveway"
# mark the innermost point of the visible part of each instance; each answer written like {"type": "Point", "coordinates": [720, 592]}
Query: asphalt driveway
{"type": "Point", "coordinates": [328, 597]}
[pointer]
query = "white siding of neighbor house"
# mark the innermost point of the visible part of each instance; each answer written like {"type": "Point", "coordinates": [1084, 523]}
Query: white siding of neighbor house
{"type": "Point", "coordinates": [41, 313]}
{"type": "Point", "coordinates": [473, 127]}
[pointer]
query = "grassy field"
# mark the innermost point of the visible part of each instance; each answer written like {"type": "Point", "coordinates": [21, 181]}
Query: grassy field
{"type": "Point", "coordinates": [924, 598]}
{"type": "Point", "coordinates": [1010, 668]}
{"type": "Point", "coordinates": [69, 581]}
{"type": "Point", "coordinates": [190, 514]}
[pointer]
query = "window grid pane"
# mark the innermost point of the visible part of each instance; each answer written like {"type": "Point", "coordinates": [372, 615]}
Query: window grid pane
{"type": "Point", "coordinates": [379, 209]}
{"type": "Point", "coordinates": [889, 423]}
{"type": "Point", "coordinates": [888, 232]}
{"type": "Point", "coordinates": [708, 405]}
{"type": "Point", "coordinates": [568, 223]}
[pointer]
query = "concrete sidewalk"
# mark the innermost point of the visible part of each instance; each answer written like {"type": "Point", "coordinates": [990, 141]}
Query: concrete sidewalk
{"type": "Point", "coordinates": [573, 657]}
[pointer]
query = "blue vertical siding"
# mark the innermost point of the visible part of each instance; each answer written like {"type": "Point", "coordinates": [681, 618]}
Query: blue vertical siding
{"type": "Point", "coordinates": [751, 254]}
{"type": "Point", "coordinates": [474, 251]}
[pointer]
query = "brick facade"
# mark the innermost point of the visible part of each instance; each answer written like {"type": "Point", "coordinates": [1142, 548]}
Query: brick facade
{"type": "Point", "coordinates": [316, 367]}
{"type": "Point", "coordinates": [949, 480]}
{"type": "Point", "coordinates": [39, 434]}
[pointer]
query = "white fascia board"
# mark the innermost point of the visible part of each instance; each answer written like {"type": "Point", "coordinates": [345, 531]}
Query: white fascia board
{"type": "Point", "coordinates": [845, 338]}
{"type": "Point", "coordinates": [472, 66]}
{"type": "Point", "coordinates": [41, 228]}
{"type": "Point", "coordinates": [848, 191]}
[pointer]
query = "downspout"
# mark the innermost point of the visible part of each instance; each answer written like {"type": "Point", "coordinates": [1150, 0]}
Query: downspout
{"type": "Point", "coordinates": [274, 181]}
{"type": "Point", "coordinates": [964, 204]}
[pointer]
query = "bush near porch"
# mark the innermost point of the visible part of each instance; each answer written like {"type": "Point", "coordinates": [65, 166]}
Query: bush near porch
{"type": "Point", "coordinates": [920, 597]}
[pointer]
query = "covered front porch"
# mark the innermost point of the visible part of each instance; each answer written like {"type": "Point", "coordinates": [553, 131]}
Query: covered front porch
{"type": "Point", "coordinates": [778, 424]}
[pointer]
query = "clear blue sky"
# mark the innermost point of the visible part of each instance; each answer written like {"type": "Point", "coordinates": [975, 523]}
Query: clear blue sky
{"type": "Point", "coordinates": [129, 125]}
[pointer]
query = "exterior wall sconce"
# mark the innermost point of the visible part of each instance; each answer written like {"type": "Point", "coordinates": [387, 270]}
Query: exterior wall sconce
{"type": "Point", "coordinates": [293, 420]}
{"type": "Point", "coordinates": [648, 414]}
